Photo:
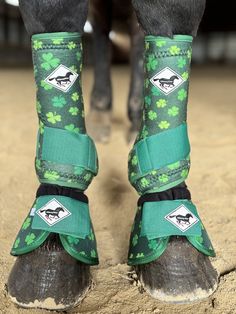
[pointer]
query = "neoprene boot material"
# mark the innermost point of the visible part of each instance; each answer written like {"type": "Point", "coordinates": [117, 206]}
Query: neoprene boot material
{"type": "Point", "coordinates": [160, 158]}
{"type": "Point", "coordinates": [66, 156]}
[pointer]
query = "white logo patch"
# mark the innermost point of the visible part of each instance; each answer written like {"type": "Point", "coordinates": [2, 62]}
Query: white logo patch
{"type": "Point", "coordinates": [53, 212]}
{"type": "Point", "coordinates": [167, 80]}
{"type": "Point", "coordinates": [182, 218]}
{"type": "Point", "coordinates": [62, 78]}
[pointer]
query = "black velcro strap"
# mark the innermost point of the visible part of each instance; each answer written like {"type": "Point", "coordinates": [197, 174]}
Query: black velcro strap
{"type": "Point", "coordinates": [50, 189]}
{"type": "Point", "coordinates": [177, 193]}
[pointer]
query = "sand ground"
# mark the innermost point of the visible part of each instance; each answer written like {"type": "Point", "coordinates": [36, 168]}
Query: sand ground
{"type": "Point", "coordinates": [212, 126]}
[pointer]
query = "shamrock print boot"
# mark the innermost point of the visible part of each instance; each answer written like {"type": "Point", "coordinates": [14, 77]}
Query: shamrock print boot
{"type": "Point", "coordinates": [56, 245]}
{"type": "Point", "coordinates": [169, 246]}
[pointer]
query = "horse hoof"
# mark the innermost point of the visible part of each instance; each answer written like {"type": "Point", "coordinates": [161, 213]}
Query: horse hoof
{"type": "Point", "coordinates": [180, 275]}
{"type": "Point", "coordinates": [48, 278]}
{"type": "Point", "coordinates": [131, 136]}
{"type": "Point", "coordinates": [99, 125]}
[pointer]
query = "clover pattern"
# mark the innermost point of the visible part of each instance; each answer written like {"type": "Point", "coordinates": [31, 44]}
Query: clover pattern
{"type": "Point", "coordinates": [63, 110]}
{"type": "Point", "coordinates": [162, 112]}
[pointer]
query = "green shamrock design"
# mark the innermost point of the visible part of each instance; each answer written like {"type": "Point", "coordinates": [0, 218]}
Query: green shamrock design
{"type": "Point", "coordinates": [38, 164]}
{"type": "Point", "coordinates": [161, 103]}
{"type": "Point", "coordinates": [58, 101]}
{"type": "Point", "coordinates": [139, 255]}
{"type": "Point", "coordinates": [152, 244]}
{"type": "Point", "coordinates": [185, 76]}
{"type": "Point", "coordinates": [164, 125]}
{"type": "Point", "coordinates": [173, 111]}
{"type": "Point", "coordinates": [87, 177]}
{"type": "Point", "coordinates": [74, 68]}
{"type": "Point", "coordinates": [160, 43]}
{"type": "Point", "coordinates": [134, 160]}
{"type": "Point", "coordinates": [49, 61]}
{"type": "Point", "coordinates": [174, 50]}
{"type": "Point", "coordinates": [73, 111]}
{"type": "Point", "coordinates": [51, 175]}
{"type": "Point", "coordinates": [26, 223]}
{"type": "Point", "coordinates": [135, 240]}
{"type": "Point", "coordinates": [91, 236]}
{"type": "Point", "coordinates": [53, 117]}
{"type": "Point", "coordinates": [75, 96]}
{"type": "Point", "coordinates": [174, 165]}
{"type": "Point", "coordinates": [72, 128]}
{"type": "Point", "coordinates": [45, 85]}
{"type": "Point", "coordinates": [71, 45]}
{"type": "Point", "coordinates": [152, 115]}
{"type": "Point", "coordinates": [37, 44]}
{"type": "Point", "coordinates": [41, 127]}
{"type": "Point", "coordinates": [163, 178]}
{"type": "Point", "coordinates": [57, 41]}
{"type": "Point", "coordinates": [30, 238]}
{"type": "Point", "coordinates": [16, 244]}
{"type": "Point", "coordinates": [147, 45]}
{"type": "Point", "coordinates": [181, 63]}
{"type": "Point", "coordinates": [189, 54]}
{"type": "Point", "coordinates": [184, 173]}
{"type": "Point", "coordinates": [93, 254]}
{"type": "Point", "coordinates": [182, 94]}
{"type": "Point", "coordinates": [72, 240]}
{"type": "Point", "coordinates": [199, 239]}
{"type": "Point", "coordinates": [144, 182]}
{"type": "Point", "coordinates": [152, 62]}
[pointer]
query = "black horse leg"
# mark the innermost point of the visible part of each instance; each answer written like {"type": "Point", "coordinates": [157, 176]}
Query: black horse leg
{"type": "Point", "coordinates": [136, 80]}
{"type": "Point", "coordinates": [181, 273]}
{"type": "Point", "coordinates": [99, 117]}
{"type": "Point", "coordinates": [48, 277]}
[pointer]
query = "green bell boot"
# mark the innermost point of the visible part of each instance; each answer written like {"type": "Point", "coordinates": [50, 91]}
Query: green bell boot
{"type": "Point", "coordinates": [159, 163]}
{"type": "Point", "coordinates": [58, 230]}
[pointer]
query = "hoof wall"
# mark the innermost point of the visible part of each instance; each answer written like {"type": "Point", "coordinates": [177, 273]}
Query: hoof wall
{"type": "Point", "coordinates": [48, 278]}
{"type": "Point", "coordinates": [99, 125]}
{"type": "Point", "coordinates": [181, 275]}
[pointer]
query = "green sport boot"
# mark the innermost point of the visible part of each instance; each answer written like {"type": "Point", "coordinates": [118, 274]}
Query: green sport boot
{"type": "Point", "coordinates": [56, 244]}
{"type": "Point", "coordinates": [169, 245]}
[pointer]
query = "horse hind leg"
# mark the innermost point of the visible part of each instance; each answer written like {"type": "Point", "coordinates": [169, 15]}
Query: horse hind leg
{"type": "Point", "coordinates": [99, 116]}
{"type": "Point", "coordinates": [136, 91]}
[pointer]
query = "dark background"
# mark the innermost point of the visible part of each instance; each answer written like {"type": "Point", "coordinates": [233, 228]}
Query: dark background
{"type": "Point", "coordinates": [216, 41]}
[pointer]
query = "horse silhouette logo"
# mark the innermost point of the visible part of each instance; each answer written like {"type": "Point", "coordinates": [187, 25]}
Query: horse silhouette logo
{"type": "Point", "coordinates": [53, 212]}
{"type": "Point", "coordinates": [50, 213]}
{"type": "Point", "coordinates": [62, 78]}
{"type": "Point", "coordinates": [167, 83]}
{"type": "Point", "coordinates": [167, 80]}
{"type": "Point", "coordinates": [182, 218]}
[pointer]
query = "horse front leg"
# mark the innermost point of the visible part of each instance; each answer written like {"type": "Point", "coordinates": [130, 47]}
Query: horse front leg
{"type": "Point", "coordinates": [54, 254]}
{"type": "Point", "coordinates": [99, 117]}
{"type": "Point", "coordinates": [171, 260]}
